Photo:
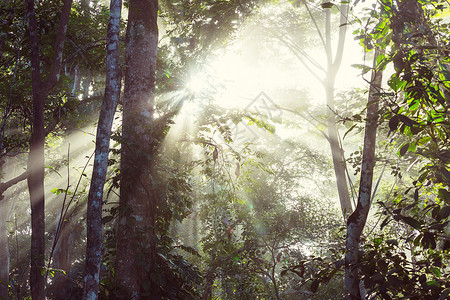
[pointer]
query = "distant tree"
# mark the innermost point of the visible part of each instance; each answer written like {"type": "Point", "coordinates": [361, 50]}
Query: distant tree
{"type": "Point", "coordinates": [320, 20]}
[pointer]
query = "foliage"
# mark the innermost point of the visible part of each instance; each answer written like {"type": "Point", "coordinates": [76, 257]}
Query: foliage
{"type": "Point", "coordinates": [252, 220]}
{"type": "Point", "coordinates": [416, 106]}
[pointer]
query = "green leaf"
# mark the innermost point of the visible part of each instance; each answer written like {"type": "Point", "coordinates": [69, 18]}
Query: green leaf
{"type": "Point", "coordinates": [60, 191]}
{"type": "Point", "coordinates": [327, 5]}
{"type": "Point", "coordinates": [385, 222]}
{"type": "Point", "coordinates": [412, 222]}
{"type": "Point", "coordinates": [435, 271]}
{"type": "Point", "coordinates": [403, 149]}
{"type": "Point", "coordinates": [396, 83]}
{"type": "Point", "coordinates": [315, 285]}
{"type": "Point", "coordinates": [377, 241]}
{"type": "Point", "coordinates": [405, 120]}
{"type": "Point", "coordinates": [428, 240]}
{"type": "Point", "coordinates": [424, 140]}
{"type": "Point", "coordinates": [444, 212]}
{"type": "Point", "coordinates": [364, 68]}
{"type": "Point", "coordinates": [431, 283]}
{"type": "Point", "coordinates": [444, 195]}
{"type": "Point", "coordinates": [393, 123]}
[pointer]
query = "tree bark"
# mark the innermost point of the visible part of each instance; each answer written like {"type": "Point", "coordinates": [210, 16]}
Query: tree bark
{"type": "Point", "coordinates": [357, 219]}
{"type": "Point", "coordinates": [4, 249]}
{"type": "Point", "coordinates": [5, 210]}
{"type": "Point", "coordinates": [136, 240]}
{"type": "Point", "coordinates": [106, 118]}
{"type": "Point", "coordinates": [36, 160]}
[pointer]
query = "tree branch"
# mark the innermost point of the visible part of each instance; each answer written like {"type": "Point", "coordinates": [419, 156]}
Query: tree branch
{"type": "Point", "coordinates": [6, 185]}
{"type": "Point", "coordinates": [53, 77]}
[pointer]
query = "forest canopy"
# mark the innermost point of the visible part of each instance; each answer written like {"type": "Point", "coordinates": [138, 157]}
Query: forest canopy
{"type": "Point", "coordinates": [212, 149]}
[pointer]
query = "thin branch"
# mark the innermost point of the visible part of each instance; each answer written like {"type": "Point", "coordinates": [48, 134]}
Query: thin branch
{"type": "Point", "coordinates": [305, 118]}
{"type": "Point", "coordinates": [53, 77]}
{"type": "Point", "coordinates": [342, 33]}
{"type": "Point", "coordinates": [302, 61]}
{"type": "Point", "coordinates": [305, 54]}
{"type": "Point", "coordinates": [315, 24]}
{"type": "Point", "coordinates": [60, 225]}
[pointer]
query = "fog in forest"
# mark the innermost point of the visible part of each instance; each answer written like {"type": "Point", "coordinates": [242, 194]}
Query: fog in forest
{"type": "Point", "coordinates": [241, 149]}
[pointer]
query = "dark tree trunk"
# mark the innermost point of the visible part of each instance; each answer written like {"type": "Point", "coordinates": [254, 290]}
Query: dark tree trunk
{"type": "Point", "coordinates": [106, 118]}
{"type": "Point", "coordinates": [36, 164]}
{"type": "Point", "coordinates": [40, 90]}
{"type": "Point", "coordinates": [357, 220]}
{"type": "Point", "coordinates": [5, 211]}
{"type": "Point", "coordinates": [136, 241]}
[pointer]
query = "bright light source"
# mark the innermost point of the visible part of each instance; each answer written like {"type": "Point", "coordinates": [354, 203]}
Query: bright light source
{"type": "Point", "coordinates": [197, 84]}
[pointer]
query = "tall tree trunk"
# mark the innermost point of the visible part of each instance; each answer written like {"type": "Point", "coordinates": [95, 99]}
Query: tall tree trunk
{"type": "Point", "coordinates": [136, 240]}
{"type": "Point", "coordinates": [106, 118]}
{"type": "Point", "coordinates": [36, 164]}
{"type": "Point", "coordinates": [357, 220]}
{"type": "Point", "coordinates": [4, 249]}
{"type": "Point", "coordinates": [5, 209]}
{"type": "Point", "coordinates": [40, 90]}
{"type": "Point", "coordinates": [337, 152]}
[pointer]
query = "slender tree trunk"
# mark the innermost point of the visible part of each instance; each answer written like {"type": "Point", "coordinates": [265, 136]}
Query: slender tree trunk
{"type": "Point", "coordinates": [106, 118]}
{"type": "Point", "coordinates": [337, 152]}
{"type": "Point", "coordinates": [61, 261]}
{"type": "Point", "coordinates": [36, 165]}
{"type": "Point", "coordinates": [36, 162]}
{"type": "Point", "coordinates": [357, 219]}
{"type": "Point", "coordinates": [76, 81]}
{"type": "Point", "coordinates": [5, 209]}
{"type": "Point", "coordinates": [4, 249]}
{"type": "Point", "coordinates": [136, 240]}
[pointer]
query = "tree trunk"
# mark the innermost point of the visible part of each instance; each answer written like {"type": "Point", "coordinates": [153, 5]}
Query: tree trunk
{"type": "Point", "coordinates": [106, 118]}
{"type": "Point", "coordinates": [5, 210]}
{"type": "Point", "coordinates": [86, 83]}
{"type": "Point", "coordinates": [136, 240]}
{"type": "Point", "coordinates": [357, 219]}
{"type": "Point", "coordinates": [337, 152]}
{"type": "Point", "coordinates": [4, 249]}
{"type": "Point", "coordinates": [36, 163]}
{"type": "Point", "coordinates": [61, 261]}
